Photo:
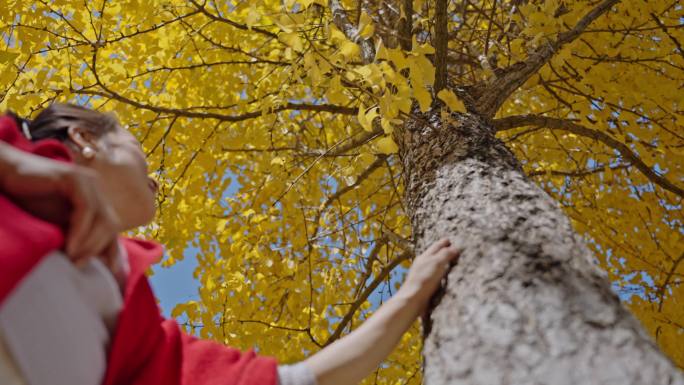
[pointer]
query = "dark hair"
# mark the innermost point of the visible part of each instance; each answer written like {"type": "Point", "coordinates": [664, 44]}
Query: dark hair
{"type": "Point", "coordinates": [54, 121]}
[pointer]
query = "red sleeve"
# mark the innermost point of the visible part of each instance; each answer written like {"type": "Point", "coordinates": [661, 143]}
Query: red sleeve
{"type": "Point", "coordinates": [210, 363]}
{"type": "Point", "coordinates": [147, 349]}
{"type": "Point", "coordinates": [24, 239]}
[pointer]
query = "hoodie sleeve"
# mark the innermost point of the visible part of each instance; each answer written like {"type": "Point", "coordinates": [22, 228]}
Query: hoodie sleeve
{"type": "Point", "coordinates": [148, 349]}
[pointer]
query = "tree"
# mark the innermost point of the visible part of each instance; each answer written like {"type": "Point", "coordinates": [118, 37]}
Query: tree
{"type": "Point", "coordinates": [307, 147]}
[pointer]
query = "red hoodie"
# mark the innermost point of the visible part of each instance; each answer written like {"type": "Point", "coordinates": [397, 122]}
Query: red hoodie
{"type": "Point", "coordinates": [146, 349]}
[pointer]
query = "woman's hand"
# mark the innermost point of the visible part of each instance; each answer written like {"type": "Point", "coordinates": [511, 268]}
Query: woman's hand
{"type": "Point", "coordinates": [353, 357]}
{"type": "Point", "coordinates": [55, 191]}
{"type": "Point", "coordinates": [427, 271]}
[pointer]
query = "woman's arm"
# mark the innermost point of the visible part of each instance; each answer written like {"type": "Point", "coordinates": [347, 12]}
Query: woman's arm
{"type": "Point", "coordinates": [350, 359]}
{"type": "Point", "coordinates": [53, 208]}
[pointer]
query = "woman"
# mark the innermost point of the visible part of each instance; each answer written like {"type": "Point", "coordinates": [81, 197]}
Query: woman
{"type": "Point", "coordinates": [141, 347]}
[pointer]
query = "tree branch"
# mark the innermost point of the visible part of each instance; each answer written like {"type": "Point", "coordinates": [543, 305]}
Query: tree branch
{"type": "Point", "coordinates": [570, 126]}
{"type": "Point", "coordinates": [492, 94]}
{"type": "Point", "coordinates": [237, 25]}
{"type": "Point", "coordinates": [668, 278]}
{"type": "Point", "coordinates": [440, 42]}
{"type": "Point", "coordinates": [341, 21]}
{"type": "Point", "coordinates": [379, 161]}
{"type": "Point", "coordinates": [676, 42]}
{"type": "Point", "coordinates": [406, 26]}
{"type": "Point", "coordinates": [577, 173]}
{"type": "Point", "coordinates": [359, 141]}
{"type": "Point", "coordinates": [364, 296]}
{"type": "Point", "coordinates": [222, 117]}
{"type": "Point", "coordinates": [303, 330]}
{"type": "Point", "coordinates": [209, 65]}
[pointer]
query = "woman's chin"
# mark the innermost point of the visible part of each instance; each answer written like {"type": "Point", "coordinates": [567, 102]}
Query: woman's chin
{"type": "Point", "coordinates": [141, 217]}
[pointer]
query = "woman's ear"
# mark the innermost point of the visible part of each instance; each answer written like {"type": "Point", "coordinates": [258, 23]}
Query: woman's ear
{"type": "Point", "coordinates": [84, 140]}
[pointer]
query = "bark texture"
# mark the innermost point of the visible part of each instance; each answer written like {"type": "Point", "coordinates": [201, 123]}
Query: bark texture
{"type": "Point", "coordinates": [525, 303]}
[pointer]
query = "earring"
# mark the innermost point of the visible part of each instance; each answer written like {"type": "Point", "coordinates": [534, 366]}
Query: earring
{"type": "Point", "coordinates": [88, 153]}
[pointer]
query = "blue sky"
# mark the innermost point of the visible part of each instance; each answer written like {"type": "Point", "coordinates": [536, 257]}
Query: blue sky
{"type": "Point", "coordinates": [175, 284]}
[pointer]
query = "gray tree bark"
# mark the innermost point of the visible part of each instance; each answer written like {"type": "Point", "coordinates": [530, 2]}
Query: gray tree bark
{"type": "Point", "coordinates": [525, 303]}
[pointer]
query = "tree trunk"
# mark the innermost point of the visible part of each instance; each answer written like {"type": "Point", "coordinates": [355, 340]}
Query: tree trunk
{"type": "Point", "coordinates": [525, 303]}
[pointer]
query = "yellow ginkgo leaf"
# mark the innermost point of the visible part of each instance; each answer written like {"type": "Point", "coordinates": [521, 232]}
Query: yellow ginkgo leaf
{"type": "Point", "coordinates": [423, 97]}
{"type": "Point", "coordinates": [349, 49]}
{"type": "Point", "coordinates": [366, 117]}
{"type": "Point", "coordinates": [7, 57]}
{"type": "Point", "coordinates": [253, 16]}
{"type": "Point", "coordinates": [366, 27]}
{"type": "Point", "coordinates": [452, 101]}
{"type": "Point", "coordinates": [386, 145]}
{"type": "Point", "coordinates": [292, 39]}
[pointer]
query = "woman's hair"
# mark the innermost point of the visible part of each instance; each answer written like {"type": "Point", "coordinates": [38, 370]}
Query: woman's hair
{"type": "Point", "coordinates": [54, 121]}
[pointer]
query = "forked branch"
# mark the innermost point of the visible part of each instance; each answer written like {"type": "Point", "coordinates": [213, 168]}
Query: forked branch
{"type": "Point", "coordinates": [494, 92]}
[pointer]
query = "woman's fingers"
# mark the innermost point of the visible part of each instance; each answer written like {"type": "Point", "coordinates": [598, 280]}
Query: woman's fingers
{"type": "Point", "coordinates": [82, 215]}
{"type": "Point", "coordinates": [443, 242]}
{"type": "Point", "coordinates": [80, 225]}
{"type": "Point", "coordinates": [428, 270]}
{"type": "Point", "coordinates": [448, 253]}
{"type": "Point", "coordinates": [93, 224]}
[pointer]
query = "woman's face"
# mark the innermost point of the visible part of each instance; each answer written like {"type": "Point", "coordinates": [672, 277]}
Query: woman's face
{"type": "Point", "coordinates": [121, 165]}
